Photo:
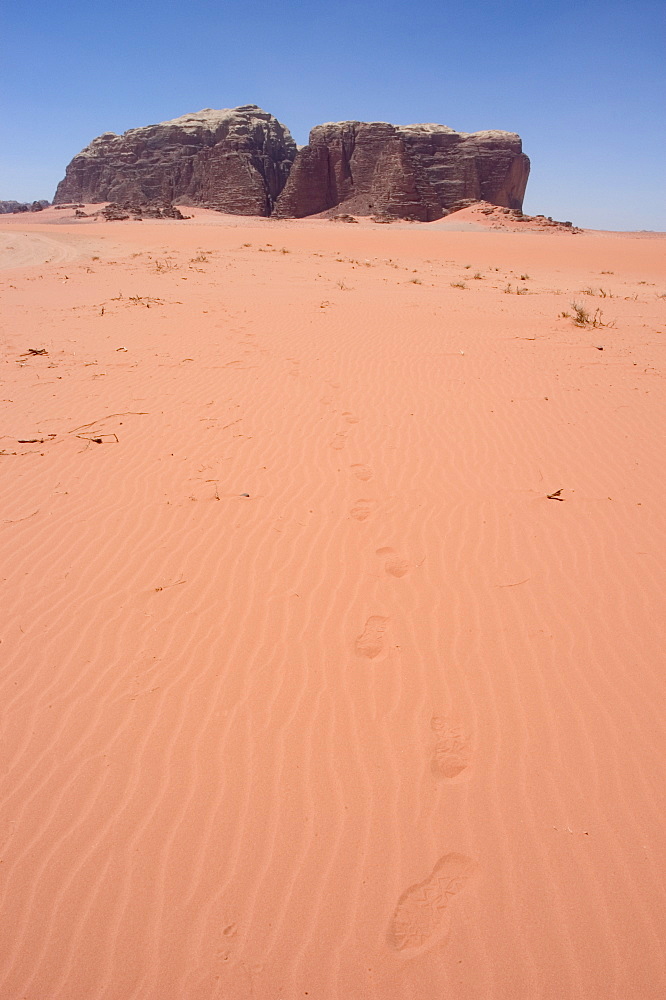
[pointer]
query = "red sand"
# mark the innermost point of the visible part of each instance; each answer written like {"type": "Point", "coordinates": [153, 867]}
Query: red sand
{"type": "Point", "coordinates": [391, 725]}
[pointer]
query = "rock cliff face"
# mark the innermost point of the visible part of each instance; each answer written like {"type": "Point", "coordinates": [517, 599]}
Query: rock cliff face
{"type": "Point", "coordinates": [414, 171]}
{"type": "Point", "coordinates": [235, 160]}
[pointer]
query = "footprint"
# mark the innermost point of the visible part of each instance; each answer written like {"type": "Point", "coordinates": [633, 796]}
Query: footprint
{"type": "Point", "coordinates": [362, 472]}
{"type": "Point", "coordinates": [397, 566]}
{"type": "Point", "coordinates": [421, 915]}
{"type": "Point", "coordinates": [371, 642]}
{"type": "Point", "coordinates": [362, 509]}
{"type": "Point", "coordinates": [338, 441]}
{"type": "Point", "coordinates": [452, 752]}
{"type": "Point", "coordinates": [394, 565]}
{"type": "Point", "coordinates": [350, 418]}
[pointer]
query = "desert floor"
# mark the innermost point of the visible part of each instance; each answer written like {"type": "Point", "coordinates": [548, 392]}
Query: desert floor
{"type": "Point", "coordinates": [332, 627]}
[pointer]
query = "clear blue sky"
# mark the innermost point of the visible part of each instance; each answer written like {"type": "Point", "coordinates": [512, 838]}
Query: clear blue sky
{"type": "Point", "coordinates": [583, 82]}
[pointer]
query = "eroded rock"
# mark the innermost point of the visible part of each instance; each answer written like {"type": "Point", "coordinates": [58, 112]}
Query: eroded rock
{"type": "Point", "coordinates": [119, 213]}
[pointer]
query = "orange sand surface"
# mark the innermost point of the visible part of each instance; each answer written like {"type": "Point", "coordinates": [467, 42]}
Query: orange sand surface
{"type": "Point", "coordinates": [332, 612]}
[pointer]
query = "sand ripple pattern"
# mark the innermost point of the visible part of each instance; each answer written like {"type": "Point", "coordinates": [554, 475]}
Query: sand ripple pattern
{"type": "Point", "coordinates": [288, 616]}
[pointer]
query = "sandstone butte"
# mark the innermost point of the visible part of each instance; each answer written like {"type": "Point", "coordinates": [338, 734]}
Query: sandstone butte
{"type": "Point", "coordinates": [234, 160]}
{"type": "Point", "coordinates": [414, 171]}
{"type": "Point", "coordinates": [245, 162]}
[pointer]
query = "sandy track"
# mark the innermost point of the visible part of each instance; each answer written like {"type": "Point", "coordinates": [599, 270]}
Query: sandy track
{"type": "Point", "coordinates": [28, 249]}
{"type": "Point", "coordinates": [390, 726]}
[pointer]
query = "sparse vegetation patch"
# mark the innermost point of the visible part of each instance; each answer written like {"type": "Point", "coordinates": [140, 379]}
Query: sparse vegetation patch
{"type": "Point", "coordinates": [581, 317]}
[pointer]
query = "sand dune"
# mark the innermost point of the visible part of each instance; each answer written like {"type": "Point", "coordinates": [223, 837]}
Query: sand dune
{"type": "Point", "coordinates": [332, 612]}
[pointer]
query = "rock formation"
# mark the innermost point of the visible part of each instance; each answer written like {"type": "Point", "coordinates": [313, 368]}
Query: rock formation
{"type": "Point", "coordinates": [15, 207]}
{"type": "Point", "coordinates": [242, 160]}
{"type": "Point", "coordinates": [235, 160]}
{"type": "Point", "coordinates": [119, 213]}
{"type": "Point", "coordinates": [414, 171]}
